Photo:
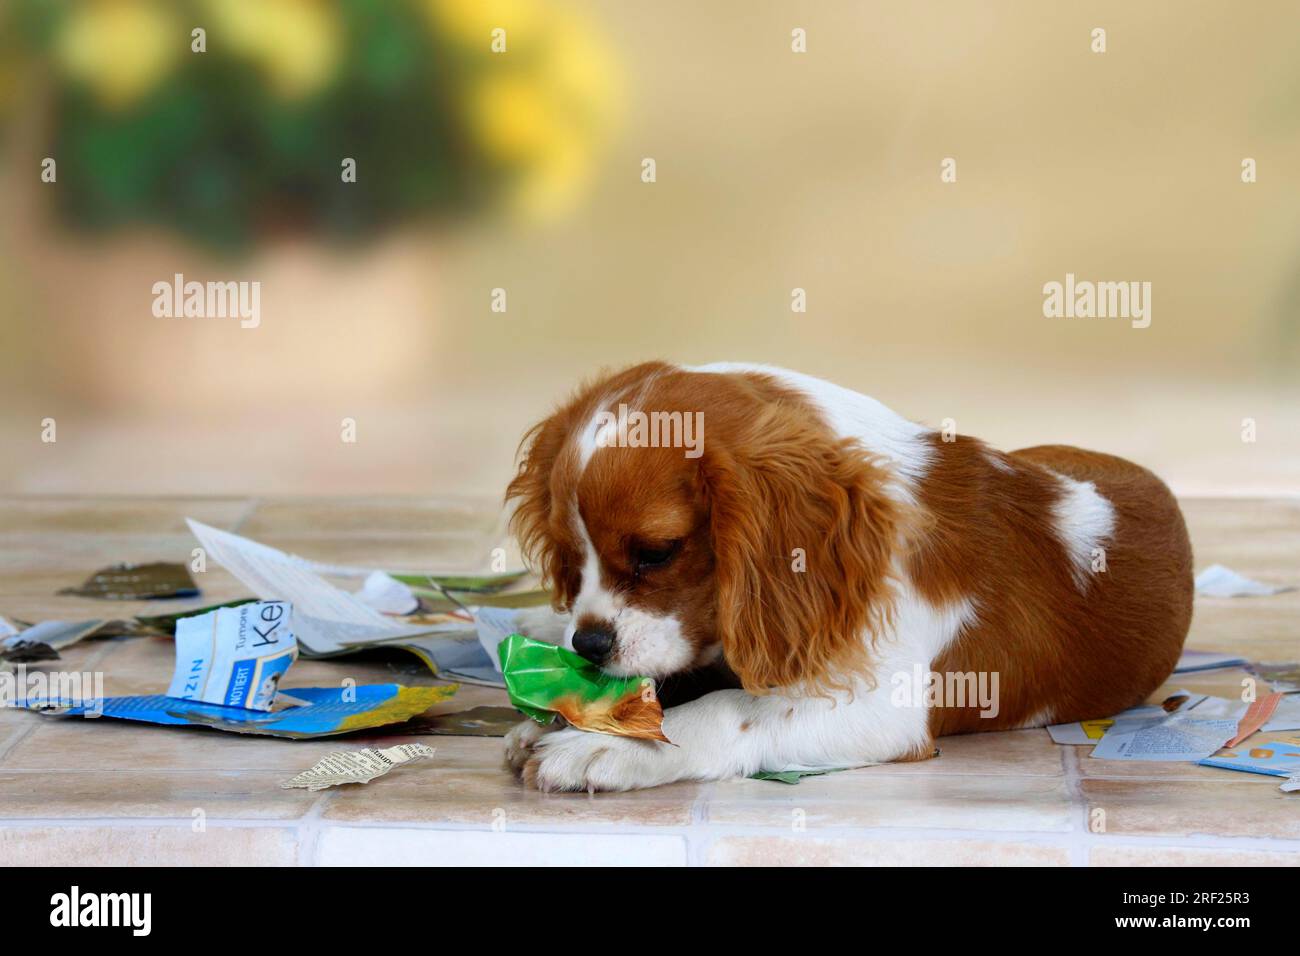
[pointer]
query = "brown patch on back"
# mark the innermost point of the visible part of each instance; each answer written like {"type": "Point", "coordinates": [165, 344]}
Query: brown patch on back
{"type": "Point", "coordinates": [1058, 650]}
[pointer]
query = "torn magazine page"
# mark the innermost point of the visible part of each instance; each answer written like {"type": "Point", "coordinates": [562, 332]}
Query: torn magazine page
{"type": "Point", "coordinates": [1282, 676]}
{"type": "Point", "coordinates": [317, 711]}
{"type": "Point", "coordinates": [1286, 716]}
{"type": "Point", "coordinates": [356, 766]}
{"type": "Point", "coordinates": [1274, 758]}
{"type": "Point", "coordinates": [326, 618]}
{"type": "Point", "coordinates": [494, 625]}
{"type": "Point", "coordinates": [61, 634]}
{"type": "Point", "coordinates": [1085, 732]}
{"type": "Point", "coordinates": [43, 641]}
{"type": "Point", "coordinates": [488, 582]}
{"type": "Point", "coordinates": [1179, 737]}
{"type": "Point", "coordinates": [137, 582]}
{"type": "Point", "coordinates": [387, 595]}
{"type": "Point", "coordinates": [1194, 661]}
{"type": "Point", "coordinates": [234, 656]}
{"type": "Point", "coordinates": [1256, 716]}
{"type": "Point", "coordinates": [456, 655]}
{"type": "Point", "coordinates": [1218, 581]}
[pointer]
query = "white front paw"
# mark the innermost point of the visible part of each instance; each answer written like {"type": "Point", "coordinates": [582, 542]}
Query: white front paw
{"type": "Point", "coordinates": [523, 738]}
{"type": "Point", "coordinates": [578, 760]}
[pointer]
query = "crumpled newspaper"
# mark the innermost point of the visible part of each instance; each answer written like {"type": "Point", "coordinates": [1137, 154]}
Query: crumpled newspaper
{"type": "Point", "coordinates": [356, 766]}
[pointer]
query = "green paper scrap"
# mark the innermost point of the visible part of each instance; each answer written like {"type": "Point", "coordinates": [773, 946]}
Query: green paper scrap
{"type": "Point", "coordinates": [791, 777]}
{"type": "Point", "coordinates": [544, 680]}
{"type": "Point", "coordinates": [794, 776]}
{"type": "Point", "coordinates": [433, 600]}
{"type": "Point", "coordinates": [485, 583]}
{"type": "Point", "coordinates": [448, 592]}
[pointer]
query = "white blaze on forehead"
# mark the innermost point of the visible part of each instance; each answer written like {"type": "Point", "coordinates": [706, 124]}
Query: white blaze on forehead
{"type": "Point", "coordinates": [593, 598]}
{"type": "Point", "coordinates": [599, 432]}
{"type": "Point", "coordinates": [593, 435]}
{"type": "Point", "coordinates": [1084, 522]}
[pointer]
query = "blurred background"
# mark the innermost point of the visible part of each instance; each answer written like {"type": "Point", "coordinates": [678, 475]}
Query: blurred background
{"type": "Point", "coordinates": [489, 160]}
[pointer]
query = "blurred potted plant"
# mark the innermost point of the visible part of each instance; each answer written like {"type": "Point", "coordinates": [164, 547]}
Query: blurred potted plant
{"type": "Point", "coordinates": [305, 144]}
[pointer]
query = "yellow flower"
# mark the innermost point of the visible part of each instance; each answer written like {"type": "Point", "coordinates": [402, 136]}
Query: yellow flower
{"type": "Point", "coordinates": [542, 113]}
{"type": "Point", "coordinates": [512, 117]}
{"type": "Point", "coordinates": [554, 183]}
{"type": "Point", "coordinates": [582, 71]}
{"type": "Point", "coordinates": [471, 22]}
{"type": "Point", "coordinates": [295, 42]}
{"type": "Point", "coordinates": [120, 48]}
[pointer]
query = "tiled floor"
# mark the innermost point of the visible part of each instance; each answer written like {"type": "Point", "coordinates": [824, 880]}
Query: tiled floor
{"type": "Point", "coordinates": [86, 793]}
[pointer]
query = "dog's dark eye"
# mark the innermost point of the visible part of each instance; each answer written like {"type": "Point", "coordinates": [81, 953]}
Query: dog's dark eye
{"type": "Point", "coordinates": [647, 558]}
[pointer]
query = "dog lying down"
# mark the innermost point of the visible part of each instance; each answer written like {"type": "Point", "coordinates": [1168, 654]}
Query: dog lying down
{"type": "Point", "coordinates": [796, 563]}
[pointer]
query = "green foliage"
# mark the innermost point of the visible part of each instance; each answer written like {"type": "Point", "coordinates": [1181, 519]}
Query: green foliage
{"type": "Point", "coordinates": [215, 152]}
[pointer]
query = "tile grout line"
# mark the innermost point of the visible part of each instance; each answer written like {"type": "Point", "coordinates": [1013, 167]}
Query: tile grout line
{"type": "Point", "coordinates": [310, 830]}
{"type": "Point", "coordinates": [13, 744]}
{"type": "Point", "coordinates": [697, 835]}
{"type": "Point", "coordinates": [1078, 847]}
{"type": "Point", "coordinates": [1059, 838]}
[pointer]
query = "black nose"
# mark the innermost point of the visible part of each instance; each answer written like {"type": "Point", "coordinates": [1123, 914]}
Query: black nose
{"type": "Point", "coordinates": [594, 643]}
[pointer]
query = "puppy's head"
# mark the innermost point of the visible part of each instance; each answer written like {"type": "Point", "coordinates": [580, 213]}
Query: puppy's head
{"type": "Point", "coordinates": [682, 516]}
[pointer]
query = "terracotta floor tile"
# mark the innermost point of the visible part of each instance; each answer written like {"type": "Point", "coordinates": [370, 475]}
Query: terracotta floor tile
{"type": "Point", "coordinates": [1017, 752]}
{"type": "Point", "coordinates": [433, 792]}
{"type": "Point", "coordinates": [372, 517]}
{"type": "Point", "coordinates": [77, 743]}
{"type": "Point", "coordinates": [113, 516]}
{"type": "Point", "coordinates": [148, 846]}
{"type": "Point", "coordinates": [219, 795]}
{"type": "Point", "coordinates": [361, 846]}
{"type": "Point", "coordinates": [1173, 856]}
{"type": "Point", "coordinates": [859, 799]}
{"type": "Point", "coordinates": [1183, 808]}
{"type": "Point", "coordinates": [818, 851]}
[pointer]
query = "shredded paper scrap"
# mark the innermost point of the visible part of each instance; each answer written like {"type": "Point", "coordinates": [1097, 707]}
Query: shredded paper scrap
{"type": "Point", "coordinates": [356, 766]}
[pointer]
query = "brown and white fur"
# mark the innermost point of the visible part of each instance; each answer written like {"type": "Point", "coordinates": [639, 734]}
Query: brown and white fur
{"type": "Point", "coordinates": [1067, 573]}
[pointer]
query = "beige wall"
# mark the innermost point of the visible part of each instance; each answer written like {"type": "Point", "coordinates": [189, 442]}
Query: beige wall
{"type": "Point", "coordinates": [775, 170]}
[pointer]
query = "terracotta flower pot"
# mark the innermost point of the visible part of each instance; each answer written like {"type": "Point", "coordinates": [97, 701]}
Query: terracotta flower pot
{"type": "Point", "coordinates": [349, 321]}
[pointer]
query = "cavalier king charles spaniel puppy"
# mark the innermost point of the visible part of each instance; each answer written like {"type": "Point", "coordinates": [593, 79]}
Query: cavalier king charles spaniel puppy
{"type": "Point", "coordinates": [820, 579]}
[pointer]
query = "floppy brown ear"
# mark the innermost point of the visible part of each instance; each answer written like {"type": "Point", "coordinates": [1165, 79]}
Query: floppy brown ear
{"type": "Point", "coordinates": [802, 536]}
{"type": "Point", "coordinates": [538, 519]}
